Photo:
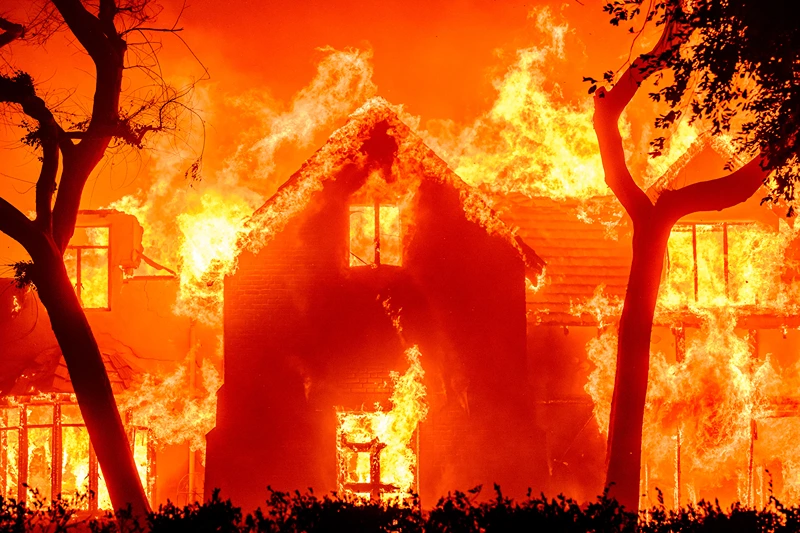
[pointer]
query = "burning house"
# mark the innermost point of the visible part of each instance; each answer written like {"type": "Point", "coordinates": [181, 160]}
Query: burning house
{"type": "Point", "coordinates": [387, 332]}
{"type": "Point", "coordinates": [375, 257]}
{"type": "Point", "coordinates": [721, 411]}
{"type": "Point", "coordinates": [151, 356]}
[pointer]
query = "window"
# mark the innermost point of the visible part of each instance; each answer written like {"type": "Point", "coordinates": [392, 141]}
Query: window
{"type": "Point", "coordinates": [87, 260]}
{"type": "Point", "coordinates": [44, 445]}
{"type": "Point", "coordinates": [374, 463]}
{"type": "Point", "coordinates": [717, 264]}
{"type": "Point", "coordinates": [375, 235]}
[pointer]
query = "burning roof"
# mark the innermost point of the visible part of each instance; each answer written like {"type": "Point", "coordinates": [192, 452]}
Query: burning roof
{"type": "Point", "coordinates": [348, 145]}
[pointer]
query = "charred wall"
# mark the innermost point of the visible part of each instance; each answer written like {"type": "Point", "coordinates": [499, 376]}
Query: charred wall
{"type": "Point", "coordinates": [306, 334]}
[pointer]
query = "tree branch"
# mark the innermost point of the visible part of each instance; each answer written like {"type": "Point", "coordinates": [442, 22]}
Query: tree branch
{"type": "Point", "coordinates": [87, 28]}
{"type": "Point", "coordinates": [107, 49]}
{"type": "Point", "coordinates": [16, 225]}
{"type": "Point", "coordinates": [617, 174]}
{"type": "Point", "coordinates": [46, 186]}
{"type": "Point", "coordinates": [608, 107]}
{"type": "Point", "coordinates": [11, 31]}
{"type": "Point", "coordinates": [713, 195]}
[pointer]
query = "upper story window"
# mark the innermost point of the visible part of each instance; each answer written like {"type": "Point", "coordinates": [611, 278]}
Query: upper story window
{"type": "Point", "coordinates": [718, 264]}
{"type": "Point", "coordinates": [375, 237]}
{"type": "Point", "coordinates": [87, 260]}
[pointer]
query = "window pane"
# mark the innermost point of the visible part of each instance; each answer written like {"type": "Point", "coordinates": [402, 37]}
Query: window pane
{"type": "Point", "coordinates": [753, 258]}
{"type": "Point", "coordinates": [95, 236]}
{"type": "Point", "coordinates": [40, 415]}
{"type": "Point", "coordinates": [362, 235]}
{"type": "Point", "coordinates": [75, 470]}
{"type": "Point", "coordinates": [710, 265]}
{"type": "Point", "coordinates": [103, 499]}
{"type": "Point", "coordinates": [391, 241]}
{"type": "Point", "coordinates": [94, 278]}
{"type": "Point", "coordinates": [9, 452]}
{"type": "Point", "coordinates": [40, 461]}
{"type": "Point", "coordinates": [71, 414]}
{"type": "Point", "coordinates": [140, 443]}
{"type": "Point", "coordinates": [678, 288]}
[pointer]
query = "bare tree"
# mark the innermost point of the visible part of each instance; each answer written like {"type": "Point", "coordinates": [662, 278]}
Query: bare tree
{"type": "Point", "coordinates": [68, 155]}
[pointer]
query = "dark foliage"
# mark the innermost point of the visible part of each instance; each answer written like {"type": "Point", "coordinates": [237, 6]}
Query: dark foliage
{"type": "Point", "coordinates": [457, 513]}
{"type": "Point", "coordinates": [735, 65]}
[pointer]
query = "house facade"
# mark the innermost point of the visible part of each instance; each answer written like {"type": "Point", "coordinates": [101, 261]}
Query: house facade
{"type": "Point", "coordinates": [386, 254]}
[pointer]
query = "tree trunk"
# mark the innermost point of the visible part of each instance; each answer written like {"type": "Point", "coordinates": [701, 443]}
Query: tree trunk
{"type": "Point", "coordinates": [624, 451]}
{"type": "Point", "coordinates": [90, 382]}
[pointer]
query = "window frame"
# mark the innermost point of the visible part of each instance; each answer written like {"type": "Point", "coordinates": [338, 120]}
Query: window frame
{"type": "Point", "coordinates": [57, 426]}
{"type": "Point", "coordinates": [716, 226]}
{"type": "Point", "coordinates": [376, 246]}
{"type": "Point", "coordinates": [78, 249]}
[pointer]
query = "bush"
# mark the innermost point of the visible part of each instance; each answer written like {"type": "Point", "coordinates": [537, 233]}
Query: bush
{"type": "Point", "coordinates": [459, 512]}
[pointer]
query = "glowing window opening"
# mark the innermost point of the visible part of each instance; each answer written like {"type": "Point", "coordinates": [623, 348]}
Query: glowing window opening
{"type": "Point", "coordinates": [361, 469]}
{"type": "Point", "coordinates": [44, 445]}
{"type": "Point", "coordinates": [375, 235]}
{"type": "Point", "coordinates": [698, 263]}
{"type": "Point", "coordinates": [88, 263]}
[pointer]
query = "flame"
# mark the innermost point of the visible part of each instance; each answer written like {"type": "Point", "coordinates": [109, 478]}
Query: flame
{"type": "Point", "coordinates": [40, 411]}
{"type": "Point", "coordinates": [532, 140]}
{"type": "Point", "coordinates": [710, 404]}
{"type": "Point", "coordinates": [161, 403]}
{"type": "Point", "coordinates": [208, 253]}
{"type": "Point", "coordinates": [395, 429]}
{"type": "Point", "coordinates": [195, 231]}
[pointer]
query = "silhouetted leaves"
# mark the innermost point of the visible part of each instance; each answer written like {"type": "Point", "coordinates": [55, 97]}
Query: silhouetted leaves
{"type": "Point", "coordinates": [735, 67]}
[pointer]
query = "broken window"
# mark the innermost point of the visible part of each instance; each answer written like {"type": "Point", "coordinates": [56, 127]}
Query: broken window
{"type": "Point", "coordinates": [87, 261]}
{"type": "Point", "coordinates": [375, 235]}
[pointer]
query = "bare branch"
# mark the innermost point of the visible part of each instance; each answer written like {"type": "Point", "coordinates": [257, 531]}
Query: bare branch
{"type": "Point", "coordinates": [713, 195]}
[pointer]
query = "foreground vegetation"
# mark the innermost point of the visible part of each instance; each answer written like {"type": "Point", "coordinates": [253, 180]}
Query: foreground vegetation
{"type": "Point", "coordinates": [457, 513]}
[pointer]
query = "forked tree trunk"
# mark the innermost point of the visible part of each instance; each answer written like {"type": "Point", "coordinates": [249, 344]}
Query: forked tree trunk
{"type": "Point", "coordinates": [90, 381]}
{"type": "Point", "coordinates": [624, 452]}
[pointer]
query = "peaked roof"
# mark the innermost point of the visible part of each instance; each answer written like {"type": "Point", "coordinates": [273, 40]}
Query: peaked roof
{"type": "Point", "coordinates": [345, 146]}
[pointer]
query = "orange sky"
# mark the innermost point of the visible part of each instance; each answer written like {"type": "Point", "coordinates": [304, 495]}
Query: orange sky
{"type": "Point", "coordinates": [439, 59]}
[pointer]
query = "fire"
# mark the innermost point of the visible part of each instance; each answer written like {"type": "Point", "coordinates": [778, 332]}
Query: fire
{"type": "Point", "coordinates": [173, 415]}
{"type": "Point", "coordinates": [710, 419]}
{"type": "Point", "coordinates": [209, 252]}
{"type": "Point", "coordinates": [199, 232]}
{"type": "Point", "coordinates": [532, 140]}
{"type": "Point", "coordinates": [58, 459]}
{"type": "Point", "coordinates": [385, 438]}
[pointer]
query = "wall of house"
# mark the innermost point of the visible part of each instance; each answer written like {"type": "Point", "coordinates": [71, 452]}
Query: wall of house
{"type": "Point", "coordinates": [305, 334]}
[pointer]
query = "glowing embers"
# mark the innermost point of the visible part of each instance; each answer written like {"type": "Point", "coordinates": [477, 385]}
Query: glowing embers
{"type": "Point", "coordinates": [45, 448]}
{"type": "Point", "coordinates": [87, 262]}
{"type": "Point", "coordinates": [375, 235]}
{"type": "Point", "coordinates": [721, 264]}
{"type": "Point", "coordinates": [377, 451]}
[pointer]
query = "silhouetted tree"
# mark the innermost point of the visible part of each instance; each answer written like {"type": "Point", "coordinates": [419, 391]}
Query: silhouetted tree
{"type": "Point", "coordinates": [68, 154]}
{"type": "Point", "coordinates": [736, 67]}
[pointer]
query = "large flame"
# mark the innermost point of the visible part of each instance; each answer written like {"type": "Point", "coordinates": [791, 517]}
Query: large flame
{"type": "Point", "coordinates": [706, 405]}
